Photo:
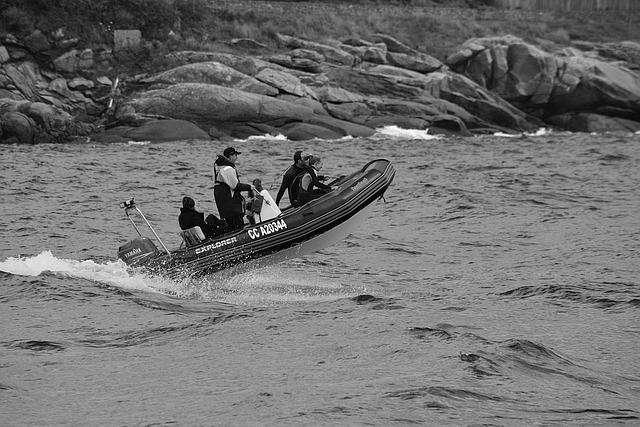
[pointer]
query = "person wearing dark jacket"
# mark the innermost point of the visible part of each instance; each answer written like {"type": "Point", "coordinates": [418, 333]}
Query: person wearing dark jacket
{"type": "Point", "coordinates": [227, 188]}
{"type": "Point", "coordinates": [299, 165]}
{"type": "Point", "coordinates": [190, 217]}
{"type": "Point", "coordinates": [309, 185]}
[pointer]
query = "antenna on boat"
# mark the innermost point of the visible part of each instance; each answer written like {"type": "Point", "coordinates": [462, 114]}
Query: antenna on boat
{"type": "Point", "coordinates": [129, 205]}
{"type": "Point", "coordinates": [278, 177]}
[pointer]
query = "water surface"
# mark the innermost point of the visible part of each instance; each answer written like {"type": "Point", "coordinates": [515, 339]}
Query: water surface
{"type": "Point", "coordinates": [496, 283]}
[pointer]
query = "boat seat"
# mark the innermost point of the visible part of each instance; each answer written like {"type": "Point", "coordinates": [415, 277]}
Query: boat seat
{"type": "Point", "coordinates": [192, 236]}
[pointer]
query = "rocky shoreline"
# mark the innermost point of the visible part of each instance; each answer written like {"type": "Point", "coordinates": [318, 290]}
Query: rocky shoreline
{"type": "Point", "coordinates": [53, 92]}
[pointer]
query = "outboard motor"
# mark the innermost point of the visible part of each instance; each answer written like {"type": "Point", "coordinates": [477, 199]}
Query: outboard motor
{"type": "Point", "coordinates": [137, 251]}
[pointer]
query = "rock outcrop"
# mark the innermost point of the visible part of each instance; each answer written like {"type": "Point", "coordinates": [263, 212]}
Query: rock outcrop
{"type": "Point", "coordinates": [52, 91]}
{"type": "Point", "coordinates": [572, 89]}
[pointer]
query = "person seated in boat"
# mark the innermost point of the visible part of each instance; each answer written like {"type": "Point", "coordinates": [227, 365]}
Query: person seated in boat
{"type": "Point", "coordinates": [190, 217]}
{"type": "Point", "coordinates": [227, 188]}
{"type": "Point", "coordinates": [252, 205]}
{"type": "Point", "coordinates": [310, 186]}
{"type": "Point", "coordinates": [300, 163]}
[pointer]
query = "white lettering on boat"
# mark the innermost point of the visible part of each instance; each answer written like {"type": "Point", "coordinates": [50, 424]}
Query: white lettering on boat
{"type": "Point", "coordinates": [216, 245]}
{"type": "Point", "coordinates": [266, 229]}
{"type": "Point", "coordinates": [133, 252]}
{"type": "Point", "coordinates": [358, 185]}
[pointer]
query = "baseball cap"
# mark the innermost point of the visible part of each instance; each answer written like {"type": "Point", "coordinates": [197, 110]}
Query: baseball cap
{"type": "Point", "coordinates": [230, 151]}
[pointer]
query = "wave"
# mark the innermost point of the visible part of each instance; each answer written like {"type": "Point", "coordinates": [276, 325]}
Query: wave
{"type": "Point", "coordinates": [273, 286]}
{"type": "Point", "coordinates": [113, 273]}
{"type": "Point", "coordinates": [392, 131]}
{"type": "Point", "coordinates": [516, 360]}
{"type": "Point", "coordinates": [601, 298]}
{"type": "Point", "coordinates": [400, 133]}
{"type": "Point", "coordinates": [538, 132]}
{"type": "Point", "coordinates": [266, 136]}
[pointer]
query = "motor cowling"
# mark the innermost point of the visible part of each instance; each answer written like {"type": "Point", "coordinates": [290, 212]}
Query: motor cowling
{"type": "Point", "coordinates": [137, 251]}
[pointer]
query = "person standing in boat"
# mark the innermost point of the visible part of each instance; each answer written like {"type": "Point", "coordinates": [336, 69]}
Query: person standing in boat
{"type": "Point", "coordinates": [190, 217]}
{"type": "Point", "coordinates": [227, 188]}
{"type": "Point", "coordinates": [310, 186]}
{"type": "Point", "coordinates": [300, 163]}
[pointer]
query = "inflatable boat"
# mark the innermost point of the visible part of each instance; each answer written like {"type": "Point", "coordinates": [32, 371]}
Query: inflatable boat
{"type": "Point", "coordinates": [273, 237]}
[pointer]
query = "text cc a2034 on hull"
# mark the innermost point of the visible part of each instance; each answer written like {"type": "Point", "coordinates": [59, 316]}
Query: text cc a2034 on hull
{"type": "Point", "coordinates": [293, 233]}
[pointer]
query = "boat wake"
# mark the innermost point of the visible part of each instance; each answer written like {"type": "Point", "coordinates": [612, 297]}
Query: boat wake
{"type": "Point", "coordinates": [111, 272]}
{"type": "Point", "coordinates": [273, 286]}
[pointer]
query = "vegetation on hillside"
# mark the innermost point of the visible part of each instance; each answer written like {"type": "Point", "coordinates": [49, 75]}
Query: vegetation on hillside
{"type": "Point", "coordinates": [205, 24]}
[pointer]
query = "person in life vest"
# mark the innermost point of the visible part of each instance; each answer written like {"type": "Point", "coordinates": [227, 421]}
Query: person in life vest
{"type": "Point", "coordinates": [227, 188]}
{"type": "Point", "coordinates": [300, 163]}
{"type": "Point", "coordinates": [310, 186]}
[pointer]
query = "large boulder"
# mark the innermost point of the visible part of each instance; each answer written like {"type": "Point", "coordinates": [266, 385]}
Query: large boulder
{"type": "Point", "coordinates": [547, 84]}
{"type": "Point", "coordinates": [300, 59]}
{"type": "Point", "coordinates": [393, 44]}
{"type": "Point", "coordinates": [244, 64]}
{"type": "Point", "coordinates": [595, 84]}
{"type": "Point", "coordinates": [366, 83]}
{"type": "Point", "coordinates": [375, 53]}
{"type": "Point", "coordinates": [83, 98]}
{"type": "Point", "coordinates": [74, 61]}
{"type": "Point", "coordinates": [215, 106]}
{"type": "Point", "coordinates": [355, 112]}
{"type": "Point", "coordinates": [419, 62]}
{"type": "Point", "coordinates": [480, 102]}
{"type": "Point", "coordinates": [626, 51]}
{"type": "Point", "coordinates": [478, 107]}
{"type": "Point", "coordinates": [307, 131]}
{"type": "Point", "coordinates": [17, 128]}
{"type": "Point", "coordinates": [35, 122]}
{"type": "Point", "coordinates": [330, 53]}
{"type": "Point", "coordinates": [24, 78]}
{"type": "Point", "coordinates": [519, 73]}
{"type": "Point", "coordinates": [212, 73]}
{"type": "Point", "coordinates": [211, 104]}
{"type": "Point", "coordinates": [167, 130]}
{"type": "Point", "coordinates": [315, 105]}
{"type": "Point", "coordinates": [285, 82]}
{"type": "Point", "coordinates": [589, 122]}
{"type": "Point", "coordinates": [344, 128]}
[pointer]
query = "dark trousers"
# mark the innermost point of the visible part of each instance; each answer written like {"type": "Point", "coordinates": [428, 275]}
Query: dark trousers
{"type": "Point", "coordinates": [235, 222]}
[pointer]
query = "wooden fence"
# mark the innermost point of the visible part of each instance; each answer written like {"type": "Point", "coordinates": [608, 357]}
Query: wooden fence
{"type": "Point", "coordinates": [569, 5]}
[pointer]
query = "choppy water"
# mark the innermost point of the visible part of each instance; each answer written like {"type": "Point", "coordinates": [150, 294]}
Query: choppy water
{"type": "Point", "coordinates": [498, 285]}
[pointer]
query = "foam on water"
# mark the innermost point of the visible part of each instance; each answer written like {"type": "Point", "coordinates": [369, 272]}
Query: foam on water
{"type": "Point", "coordinates": [273, 286]}
{"type": "Point", "coordinates": [278, 137]}
{"type": "Point", "coordinates": [262, 287]}
{"type": "Point", "coordinates": [538, 132]}
{"type": "Point", "coordinates": [397, 132]}
{"type": "Point", "coordinates": [112, 273]}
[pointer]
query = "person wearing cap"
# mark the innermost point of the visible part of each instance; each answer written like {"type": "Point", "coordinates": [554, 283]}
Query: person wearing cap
{"type": "Point", "coordinates": [190, 217]}
{"type": "Point", "coordinates": [227, 188]}
{"type": "Point", "coordinates": [300, 159]}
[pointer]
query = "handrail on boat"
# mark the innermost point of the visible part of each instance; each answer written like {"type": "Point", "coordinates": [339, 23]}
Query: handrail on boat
{"type": "Point", "coordinates": [129, 205]}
